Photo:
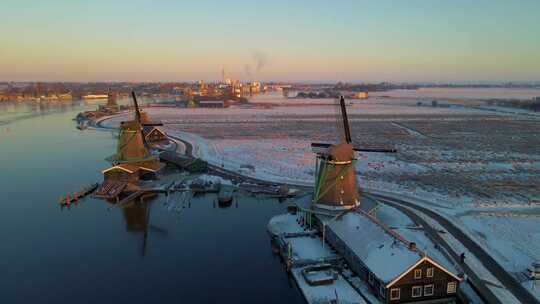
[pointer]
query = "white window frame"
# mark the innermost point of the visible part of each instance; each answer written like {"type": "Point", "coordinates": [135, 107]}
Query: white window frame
{"type": "Point", "coordinates": [417, 274]}
{"type": "Point", "coordinates": [398, 293]}
{"type": "Point", "coordinates": [432, 290]}
{"type": "Point", "coordinates": [430, 272]}
{"type": "Point", "coordinates": [417, 288]}
{"type": "Point", "coordinates": [451, 287]}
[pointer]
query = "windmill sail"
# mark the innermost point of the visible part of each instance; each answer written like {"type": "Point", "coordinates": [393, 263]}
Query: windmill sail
{"type": "Point", "coordinates": [138, 118]}
{"type": "Point", "coordinates": [346, 128]}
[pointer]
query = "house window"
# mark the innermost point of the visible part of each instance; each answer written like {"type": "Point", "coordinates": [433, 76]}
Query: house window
{"type": "Point", "coordinates": [416, 291]}
{"type": "Point", "coordinates": [451, 287]}
{"type": "Point", "coordinates": [371, 279]}
{"type": "Point", "coordinates": [418, 273]}
{"type": "Point", "coordinates": [395, 293]}
{"type": "Point", "coordinates": [429, 272]}
{"type": "Point", "coordinates": [428, 290]}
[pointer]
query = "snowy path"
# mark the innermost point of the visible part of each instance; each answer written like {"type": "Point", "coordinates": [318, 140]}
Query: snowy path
{"type": "Point", "coordinates": [485, 258]}
{"type": "Point", "coordinates": [409, 130]}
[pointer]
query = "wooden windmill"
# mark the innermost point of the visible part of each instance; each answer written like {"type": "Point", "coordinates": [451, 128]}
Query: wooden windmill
{"type": "Point", "coordinates": [132, 146]}
{"type": "Point", "coordinates": [111, 99]}
{"type": "Point", "coordinates": [132, 160]}
{"type": "Point", "coordinates": [335, 184]}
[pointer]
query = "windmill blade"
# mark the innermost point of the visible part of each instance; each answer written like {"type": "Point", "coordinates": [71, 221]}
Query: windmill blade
{"type": "Point", "coordinates": [376, 150]}
{"type": "Point", "coordinates": [145, 235]}
{"type": "Point", "coordinates": [322, 147]}
{"type": "Point", "coordinates": [138, 118]}
{"type": "Point", "coordinates": [143, 248]}
{"type": "Point", "coordinates": [346, 127]}
{"type": "Point", "coordinates": [338, 121]}
{"type": "Point", "coordinates": [159, 230]}
{"type": "Point", "coordinates": [137, 113]}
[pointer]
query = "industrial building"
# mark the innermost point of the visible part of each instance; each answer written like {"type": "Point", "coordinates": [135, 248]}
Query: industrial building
{"type": "Point", "coordinates": [212, 104]}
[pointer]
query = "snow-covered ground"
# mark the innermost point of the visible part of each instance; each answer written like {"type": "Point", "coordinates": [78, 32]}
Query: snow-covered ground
{"type": "Point", "coordinates": [463, 93]}
{"type": "Point", "coordinates": [504, 295]}
{"type": "Point", "coordinates": [515, 238]}
{"type": "Point", "coordinates": [479, 167]}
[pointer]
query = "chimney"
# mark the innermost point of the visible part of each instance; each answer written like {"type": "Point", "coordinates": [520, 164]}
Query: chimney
{"type": "Point", "coordinates": [412, 246]}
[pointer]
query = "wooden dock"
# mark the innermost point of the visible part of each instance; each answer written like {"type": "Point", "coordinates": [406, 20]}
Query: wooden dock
{"type": "Point", "coordinates": [130, 198]}
{"type": "Point", "coordinates": [110, 190]}
{"type": "Point", "coordinates": [74, 197]}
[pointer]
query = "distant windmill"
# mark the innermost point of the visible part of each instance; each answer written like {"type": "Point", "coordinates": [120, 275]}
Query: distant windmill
{"type": "Point", "coordinates": [335, 184]}
{"type": "Point", "coordinates": [111, 99]}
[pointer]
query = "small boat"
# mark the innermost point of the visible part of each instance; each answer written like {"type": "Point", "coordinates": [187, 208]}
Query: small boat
{"type": "Point", "coordinates": [200, 186]}
{"type": "Point", "coordinates": [225, 196]}
{"type": "Point", "coordinates": [83, 125]}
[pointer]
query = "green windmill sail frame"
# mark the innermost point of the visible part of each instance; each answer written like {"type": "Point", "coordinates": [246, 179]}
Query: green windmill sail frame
{"type": "Point", "coordinates": [322, 174]}
{"type": "Point", "coordinates": [117, 157]}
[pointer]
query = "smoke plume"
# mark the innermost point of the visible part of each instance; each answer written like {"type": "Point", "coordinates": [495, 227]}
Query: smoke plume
{"type": "Point", "coordinates": [260, 58]}
{"type": "Point", "coordinates": [247, 69]}
{"type": "Point", "coordinates": [259, 61]}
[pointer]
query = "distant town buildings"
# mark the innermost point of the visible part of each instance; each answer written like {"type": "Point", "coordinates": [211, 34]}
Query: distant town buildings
{"type": "Point", "coordinates": [360, 95]}
{"type": "Point", "coordinates": [212, 104]}
{"type": "Point", "coordinates": [35, 92]}
{"type": "Point", "coordinates": [93, 96]}
{"type": "Point", "coordinates": [225, 89]}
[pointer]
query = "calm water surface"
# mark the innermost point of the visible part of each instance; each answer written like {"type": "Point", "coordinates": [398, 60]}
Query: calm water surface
{"type": "Point", "coordinates": [90, 254]}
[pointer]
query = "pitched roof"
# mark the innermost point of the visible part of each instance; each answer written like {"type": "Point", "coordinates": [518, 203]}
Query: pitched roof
{"type": "Point", "coordinates": [124, 167]}
{"type": "Point", "coordinates": [150, 129]}
{"type": "Point", "coordinates": [152, 167]}
{"type": "Point", "coordinates": [386, 256]}
{"type": "Point", "coordinates": [211, 102]}
{"type": "Point", "coordinates": [425, 258]}
{"type": "Point", "coordinates": [147, 129]}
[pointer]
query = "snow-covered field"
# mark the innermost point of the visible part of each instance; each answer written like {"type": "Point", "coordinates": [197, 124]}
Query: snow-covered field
{"type": "Point", "coordinates": [478, 167]}
{"type": "Point", "coordinates": [515, 238]}
{"type": "Point", "coordinates": [463, 93]}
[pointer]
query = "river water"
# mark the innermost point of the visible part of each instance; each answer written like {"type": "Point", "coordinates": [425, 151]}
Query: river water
{"type": "Point", "coordinates": [93, 254]}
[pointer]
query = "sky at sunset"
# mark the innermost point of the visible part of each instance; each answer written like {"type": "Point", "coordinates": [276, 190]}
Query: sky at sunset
{"type": "Point", "coordinates": [291, 40]}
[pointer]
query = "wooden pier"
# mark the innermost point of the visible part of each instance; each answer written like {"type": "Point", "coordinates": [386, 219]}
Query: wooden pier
{"type": "Point", "coordinates": [110, 190]}
{"type": "Point", "coordinates": [74, 197]}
